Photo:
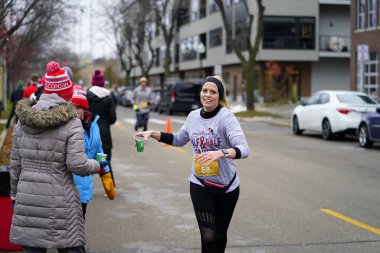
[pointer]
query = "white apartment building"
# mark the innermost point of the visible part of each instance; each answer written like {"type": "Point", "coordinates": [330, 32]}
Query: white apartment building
{"type": "Point", "coordinates": [305, 47]}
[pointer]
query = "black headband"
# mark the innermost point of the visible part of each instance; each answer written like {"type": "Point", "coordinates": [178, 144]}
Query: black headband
{"type": "Point", "coordinates": [218, 84]}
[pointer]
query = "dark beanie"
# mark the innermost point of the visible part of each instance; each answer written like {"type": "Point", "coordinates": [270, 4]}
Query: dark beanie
{"type": "Point", "coordinates": [98, 78]}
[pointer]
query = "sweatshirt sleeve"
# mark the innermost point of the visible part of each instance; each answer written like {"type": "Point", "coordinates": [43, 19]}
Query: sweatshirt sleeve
{"type": "Point", "coordinates": [236, 135]}
{"type": "Point", "coordinates": [182, 136]}
{"type": "Point", "coordinates": [15, 163]}
{"type": "Point", "coordinates": [76, 159]}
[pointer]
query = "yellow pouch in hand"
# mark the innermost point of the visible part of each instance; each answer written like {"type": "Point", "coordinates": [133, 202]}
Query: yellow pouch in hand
{"type": "Point", "coordinates": [108, 185]}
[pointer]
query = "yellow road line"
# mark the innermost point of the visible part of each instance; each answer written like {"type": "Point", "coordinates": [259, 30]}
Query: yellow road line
{"type": "Point", "coordinates": [181, 150]}
{"type": "Point", "coordinates": [351, 221]}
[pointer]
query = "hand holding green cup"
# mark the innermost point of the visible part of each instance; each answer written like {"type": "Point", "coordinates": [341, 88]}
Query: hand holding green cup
{"type": "Point", "coordinates": [101, 157]}
{"type": "Point", "coordinates": [140, 143]}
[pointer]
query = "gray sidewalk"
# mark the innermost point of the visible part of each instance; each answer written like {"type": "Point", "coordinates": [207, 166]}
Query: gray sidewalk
{"type": "Point", "coordinates": [284, 111]}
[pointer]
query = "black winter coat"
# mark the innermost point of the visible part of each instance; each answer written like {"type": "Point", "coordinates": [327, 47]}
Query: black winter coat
{"type": "Point", "coordinates": [101, 103]}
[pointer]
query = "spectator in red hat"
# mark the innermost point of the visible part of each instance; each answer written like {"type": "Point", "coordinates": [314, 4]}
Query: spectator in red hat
{"type": "Point", "coordinates": [47, 149]}
{"type": "Point", "coordinates": [32, 88]}
{"type": "Point", "coordinates": [40, 87]}
{"type": "Point", "coordinates": [92, 143]}
{"type": "Point", "coordinates": [102, 104]}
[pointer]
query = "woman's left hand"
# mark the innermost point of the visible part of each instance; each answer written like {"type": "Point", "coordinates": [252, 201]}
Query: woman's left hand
{"type": "Point", "coordinates": [210, 157]}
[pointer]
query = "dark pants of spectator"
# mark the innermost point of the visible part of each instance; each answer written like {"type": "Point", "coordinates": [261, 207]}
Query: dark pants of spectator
{"type": "Point", "coordinates": [84, 209]}
{"type": "Point", "coordinates": [11, 114]}
{"type": "Point", "coordinates": [142, 121]}
{"type": "Point", "coordinates": [108, 151]}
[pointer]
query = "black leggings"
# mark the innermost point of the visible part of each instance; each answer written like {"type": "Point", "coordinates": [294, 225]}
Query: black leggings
{"type": "Point", "coordinates": [214, 213]}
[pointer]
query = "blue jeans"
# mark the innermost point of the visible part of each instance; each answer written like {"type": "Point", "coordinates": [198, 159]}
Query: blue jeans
{"type": "Point", "coordinates": [142, 120]}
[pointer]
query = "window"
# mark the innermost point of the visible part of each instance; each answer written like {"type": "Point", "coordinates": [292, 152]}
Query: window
{"type": "Point", "coordinates": [194, 10]}
{"type": "Point", "coordinates": [162, 54]}
{"type": "Point", "coordinates": [360, 14]}
{"type": "Point", "coordinates": [202, 8]}
{"type": "Point", "coordinates": [289, 33]}
{"type": "Point", "coordinates": [371, 75]}
{"type": "Point", "coordinates": [368, 75]}
{"type": "Point", "coordinates": [325, 98]}
{"type": "Point", "coordinates": [372, 15]}
{"type": "Point", "coordinates": [157, 57]}
{"type": "Point", "coordinates": [216, 37]}
{"type": "Point", "coordinates": [212, 7]}
{"type": "Point", "coordinates": [188, 48]}
{"type": "Point", "coordinates": [237, 16]}
{"type": "Point", "coordinates": [355, 99]}
{"type": "Point", "coordinates": [314, 100]}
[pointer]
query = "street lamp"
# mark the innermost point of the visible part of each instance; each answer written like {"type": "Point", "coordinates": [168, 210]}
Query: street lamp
{"type": "Point", "coordinates": [200, 50]}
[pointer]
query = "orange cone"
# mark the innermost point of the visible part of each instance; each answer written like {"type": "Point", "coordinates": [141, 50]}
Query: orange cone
{"type": "Point", "coordinates": [168, 128]}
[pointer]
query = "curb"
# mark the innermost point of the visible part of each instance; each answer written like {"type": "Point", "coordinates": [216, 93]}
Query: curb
{"type": "Point", "coordinates": [274, 121]}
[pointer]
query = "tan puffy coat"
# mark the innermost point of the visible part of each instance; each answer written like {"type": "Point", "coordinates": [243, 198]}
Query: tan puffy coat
{"type": "Point", "coordinates": [48, 146]}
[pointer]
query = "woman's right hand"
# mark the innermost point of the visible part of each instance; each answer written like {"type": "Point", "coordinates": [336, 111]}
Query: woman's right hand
{"type": "Point", "coordinates": [145, 134]}
{"type": "Point", "coordinates": [148, 134]}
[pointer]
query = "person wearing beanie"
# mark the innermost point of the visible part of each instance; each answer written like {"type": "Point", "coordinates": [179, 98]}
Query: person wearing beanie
{"type": "Point", "coordinates": [69, 72]}
{"type": "Point", "coordinates": [32, 88]}
{"type": "Point", "coordinates": [40, 87]}
{"type": "Point", "coordinates": [102, 104]}
{"type": "Point", "coordinates": [217, 140]}
{"type": "Point", "coordinates": [93, 145]}
{"type": "Point", "coordinates": [142, 97]}
{"type": "Point", "coordinates": [16, 96]}
{"type": "Point", "coordinates": [47, 149]}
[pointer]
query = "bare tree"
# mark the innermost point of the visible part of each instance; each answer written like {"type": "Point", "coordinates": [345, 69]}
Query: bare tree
{"type": "Point", "coordinates": [144, 38]}
{"type": "Point", "coordinates": [167, 12]}
{"type": "Point", "coordinates": [27, 46]}
{"type": "Point", "coordinates": [15, 14]}
{"type": "Point", "coordinates": [248, 62]}
{"type": "Point", "coordinates": [123, 32]}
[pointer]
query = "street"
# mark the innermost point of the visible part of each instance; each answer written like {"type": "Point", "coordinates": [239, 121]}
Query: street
{"type": "Point", "coordinates": [298, 194]}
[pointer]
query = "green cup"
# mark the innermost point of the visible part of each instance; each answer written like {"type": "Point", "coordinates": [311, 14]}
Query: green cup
{"type": "Point", "coordinates": [140, 144]}
{"type": "Point", "coordinates": [100, 157]}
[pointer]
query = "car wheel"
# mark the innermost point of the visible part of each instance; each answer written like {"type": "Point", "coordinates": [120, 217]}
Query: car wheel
{"type": "Point", "coordinates": [364, 140]}
{"type": "Point", "coordinates": [296, 126]}
{"type": "Point", "coordinates": [326, 130]}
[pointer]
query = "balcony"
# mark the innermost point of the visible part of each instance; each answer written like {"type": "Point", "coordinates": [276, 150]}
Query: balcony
{"type": "Point", "coordinates": [335, 46]}
{"type": "Point", "coordinates": [340, 2]}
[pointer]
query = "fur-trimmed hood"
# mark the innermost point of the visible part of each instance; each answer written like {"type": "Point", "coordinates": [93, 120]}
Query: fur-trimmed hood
{"type": "Point", "coordinates": [49, 112]}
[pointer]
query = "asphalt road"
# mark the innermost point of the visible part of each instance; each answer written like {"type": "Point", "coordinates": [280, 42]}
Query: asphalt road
{"type": "Point", "coordinates": [298, 194]}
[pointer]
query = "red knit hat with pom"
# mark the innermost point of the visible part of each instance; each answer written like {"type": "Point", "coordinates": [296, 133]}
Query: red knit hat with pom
{"type": "Point", "coordinates": [98, 78]}
{"type": "Point", "coordinates": [79, 97]}
{"type": "Point", "coordinates": [58, 81]}
{"type": "Point", "coordinates": [41, 82]}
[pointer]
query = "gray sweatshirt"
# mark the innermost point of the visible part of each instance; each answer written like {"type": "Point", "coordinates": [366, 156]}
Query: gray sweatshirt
{"type": "Point", "coordinates": [219, 132]}
{"type": "Point", "coordinates": [142, 98]}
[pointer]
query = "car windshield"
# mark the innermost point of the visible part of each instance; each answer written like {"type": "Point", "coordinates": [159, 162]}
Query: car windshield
{"type": "Point", "coordinates": [355, 99]}
{"type": "Point", "coordinates": [187, 88]}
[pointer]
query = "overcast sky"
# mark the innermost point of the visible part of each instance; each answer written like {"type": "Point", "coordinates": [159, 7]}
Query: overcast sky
{"type": "Point", "coordinates": [90, 35]}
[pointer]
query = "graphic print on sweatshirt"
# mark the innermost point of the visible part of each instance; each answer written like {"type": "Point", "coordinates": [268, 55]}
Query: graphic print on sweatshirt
{"type": "Point", "coordinates": [204, 141]}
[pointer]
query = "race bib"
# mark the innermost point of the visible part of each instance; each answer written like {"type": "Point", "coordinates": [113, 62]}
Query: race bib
{"type": "Point", "coordinates": [206, 171]}
{"type": "Point", "coordinates": [143, 104]}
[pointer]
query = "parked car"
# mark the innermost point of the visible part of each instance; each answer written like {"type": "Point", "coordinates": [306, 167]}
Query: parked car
{"type": "Point", "coordinates": [155, 103]}
{"type": "Point", "coordinates": [331, 113]}
{"type": "Point", "coordinates": [369, 129]}
{"type": "Point", "coordinates": [180, 96]}
{"type": "Point", "coordinates": [126, 96]}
